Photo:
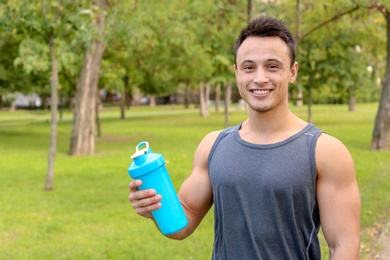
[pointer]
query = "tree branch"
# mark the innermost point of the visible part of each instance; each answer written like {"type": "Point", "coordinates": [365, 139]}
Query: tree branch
{"type": "Point", "coordinates": [337, 16]}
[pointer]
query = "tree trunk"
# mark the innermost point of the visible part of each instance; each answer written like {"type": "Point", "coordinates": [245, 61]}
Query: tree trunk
{"type": "Point", "coordinates": [186, 97]}
{"type": "Point", "coordinates": [82, 140]}
{"type": "Point", "coordinates": [217, 97]}
{"type": "Point", "coordinates": [71, 102]}
{"type": "Point", "coordinates": [152, 101]}
{"type": "Point", "coordinates": [13, 106]}
{"type": "Point", "coordinates": [123, 104]}
{"type": "Point", "coordinates": [97, 115]}
{"type": "Point", "coordinates": [207, 99]}
{"type": "Point", "coordinates": [126, 95]}
{"type": "Point", "coordinates": [204, 90]}
{"type": "Point", "coordinates": [380, 136]}
{"type": "Point", "coordinates": [251, 9]}
{"type": "Point", "coordinates": [53, 108]}
{"type": "Point", "coordinates": [45, 104]}
{"type": "Point", "coordinates": [310, 99]}
{"type": "Point", "coordinates": [228, 99]}
{"type": "Point", "coordinates": [83, 131]}
{"type": "Point", "coordinates": [129, 100]}
{"type": "Point", "coordinates": [352, 103]}
{"type": "Point", "coordinates": [60, 105]}
{"type": "Point", "coordinates": [382, 121]}
{"type": "Point", "coordinates": [299, 98]}
{"type": "Point", "coordinates": [310, 92]}
{"type": "Point", "coordinates": [201, 99]}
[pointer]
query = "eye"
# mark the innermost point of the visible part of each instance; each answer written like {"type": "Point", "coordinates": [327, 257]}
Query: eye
{"type": "Point", "coordinates": [272, 67]}
{"type": "Point", "coordinates": [248, 68]}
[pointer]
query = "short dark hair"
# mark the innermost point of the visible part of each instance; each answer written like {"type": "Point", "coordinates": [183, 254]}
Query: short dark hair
{"type": "Point", "coordinates": [266, 26]}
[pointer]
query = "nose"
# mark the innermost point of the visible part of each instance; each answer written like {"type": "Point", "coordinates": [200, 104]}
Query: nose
{"type": "Point", "coordinates": [260, 76]}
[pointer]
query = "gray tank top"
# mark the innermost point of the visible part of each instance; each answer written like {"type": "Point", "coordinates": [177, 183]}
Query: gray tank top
{"type": "Point", "coordinates": [264, 197]}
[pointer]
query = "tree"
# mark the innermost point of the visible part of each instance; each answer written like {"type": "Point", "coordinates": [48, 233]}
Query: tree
{"type": "Point", "coordinates": [380, 135]}
{"type": "Point", "coordinates": [53, 108]}
{"type": "Point", "coordinates": [82, 141]}
{"type": "Point", "coordinates": [40, 25]}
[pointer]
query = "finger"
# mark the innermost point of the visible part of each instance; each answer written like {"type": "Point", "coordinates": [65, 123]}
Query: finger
{"type": "Point", "coordinates": [144, 207]}
{"type": "Point", "coordinates": [141, 194]}
{"type": "Point", "coordinates": [146, 202]}
{"type": "Point", "coordinates": [147, 211]}
{"type": "Point", "coordinates": [133, 185]}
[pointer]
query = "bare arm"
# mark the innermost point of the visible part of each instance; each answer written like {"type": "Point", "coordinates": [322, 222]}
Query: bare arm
{"type": "Point", "coordinates": [195, 193]}
{"type": "Point", "coordinates": [338, 198]}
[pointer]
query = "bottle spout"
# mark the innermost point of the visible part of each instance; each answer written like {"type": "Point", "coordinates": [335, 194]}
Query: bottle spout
{"type": "Point", "coordinates": [139, 156]}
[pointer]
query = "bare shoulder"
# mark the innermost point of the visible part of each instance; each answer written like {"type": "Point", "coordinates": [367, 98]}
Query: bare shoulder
{"type": "Point", "coordinates": [208, 141]}
{"type": "Point", "coordinates": [205, 145]}
{"type": "Point", "coordinates": [327, 143]}
{"type": "Point", "coordinates": [333, 159]}
{"type": "Point", "coordinates": [211, 137]}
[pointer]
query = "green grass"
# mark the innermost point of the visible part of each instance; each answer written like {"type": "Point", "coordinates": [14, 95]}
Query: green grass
{"type": "Point", "coordinates": [88, 216]}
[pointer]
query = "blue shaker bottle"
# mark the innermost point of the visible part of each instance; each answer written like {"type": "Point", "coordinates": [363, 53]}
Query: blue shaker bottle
{"type": "Point", "coordinates": [150, 168]}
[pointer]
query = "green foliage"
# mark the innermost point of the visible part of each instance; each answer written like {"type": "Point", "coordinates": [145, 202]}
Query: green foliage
{"type": "Point", "coordinates": [87, 215]}
{"type": "Point", "coordinates": [11, 78]}
{"type": "Point", "coordinates": [157, 45]}
{"type": "Point", "coordinates": [336, 55]}
{"type": "Point", "coordinates": [33, 56]}
{"type": "Point", "coordinates": [34, 23]}
{"type": "Point", "coordinates": [163, 44]}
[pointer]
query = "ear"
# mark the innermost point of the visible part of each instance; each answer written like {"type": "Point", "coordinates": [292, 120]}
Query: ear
{"type": "Point", "coordinates": [293, 72]}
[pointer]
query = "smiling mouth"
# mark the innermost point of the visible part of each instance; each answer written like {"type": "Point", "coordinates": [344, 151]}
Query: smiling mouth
{"type": "Point", "coordinates": [261, 91]}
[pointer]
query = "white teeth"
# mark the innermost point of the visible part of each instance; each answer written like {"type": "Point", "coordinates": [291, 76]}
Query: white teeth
{"type": "Point", "coordinates": [261, 91]}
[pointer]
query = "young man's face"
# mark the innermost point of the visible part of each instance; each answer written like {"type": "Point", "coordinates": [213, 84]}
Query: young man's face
{"type": "Point", "coordinates": [263, 72]}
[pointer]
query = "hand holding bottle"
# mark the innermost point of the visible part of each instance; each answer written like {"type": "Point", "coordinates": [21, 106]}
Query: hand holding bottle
{"type": "Point", "coordinates": [143, 201]}
{"type": "Point", "coordinates": [152, 191]}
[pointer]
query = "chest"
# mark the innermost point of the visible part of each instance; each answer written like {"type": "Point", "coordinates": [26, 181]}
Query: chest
{"type": "Point", "coordinates": [278, 170]}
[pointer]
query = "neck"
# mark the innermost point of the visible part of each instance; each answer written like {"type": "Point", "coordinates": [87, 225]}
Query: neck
{"type": "Point", "coordinates": [271, 126]}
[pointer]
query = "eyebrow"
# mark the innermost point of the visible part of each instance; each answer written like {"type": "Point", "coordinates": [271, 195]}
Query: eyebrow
{"type": "Point", "coordinates": [267, 60]}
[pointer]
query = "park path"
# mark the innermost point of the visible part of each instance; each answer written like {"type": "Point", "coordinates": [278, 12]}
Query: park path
{"type": "Point", "coordinates": [384, 244]}
{"type": "Point", "coordinates": [110, 114]}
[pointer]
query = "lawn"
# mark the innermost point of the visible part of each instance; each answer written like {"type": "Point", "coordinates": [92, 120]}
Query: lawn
{"type": "Point", "coordinates": [88, 216]}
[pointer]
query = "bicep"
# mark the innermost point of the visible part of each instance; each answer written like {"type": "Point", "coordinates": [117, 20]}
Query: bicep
{"type": "Point", "coordinates": [337, 194]}
{"type": "Point", "coordinates": [195, 194]}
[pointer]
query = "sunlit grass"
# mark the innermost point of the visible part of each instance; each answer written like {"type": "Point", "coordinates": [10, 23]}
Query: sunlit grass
{"type": "Point", "coordinates": [87, 215]}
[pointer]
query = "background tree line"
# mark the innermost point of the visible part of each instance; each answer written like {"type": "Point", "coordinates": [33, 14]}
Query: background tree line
{"type": "Point", "coordinates": [77, 47]}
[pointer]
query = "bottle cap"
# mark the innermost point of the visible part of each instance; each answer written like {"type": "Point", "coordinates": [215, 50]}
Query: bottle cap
{"type": "Point", "coordinates": [139, 155]}
{"type": "Point", "coordinates": [145, 161]}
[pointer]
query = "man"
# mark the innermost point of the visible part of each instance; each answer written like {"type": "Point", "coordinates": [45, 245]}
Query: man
{"type": "Point", "coordinates": [273, 177]}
